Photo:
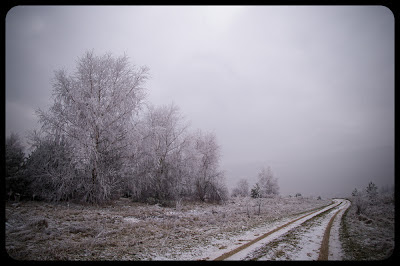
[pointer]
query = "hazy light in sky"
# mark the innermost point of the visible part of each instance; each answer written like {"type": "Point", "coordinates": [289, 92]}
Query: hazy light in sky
{"type": "Point", "coordinates": [218, 18]}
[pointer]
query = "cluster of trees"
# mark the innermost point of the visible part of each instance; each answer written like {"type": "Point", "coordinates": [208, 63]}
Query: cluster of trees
{"type": "Point", "coordinates": [266, 186]}
{"type": "Point", "coordinates": [100, 140]}
{"type": "Point", "coordinates": [362, 198]}
{"type": "Point", "coordinates": [15, 174]}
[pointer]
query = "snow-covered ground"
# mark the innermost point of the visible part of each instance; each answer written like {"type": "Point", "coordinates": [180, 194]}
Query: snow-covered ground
{"type": "Point", "coordinates": [126, 230]}
{"type": "Point", "coordinates": [335, 245]}
{"type": "Point", "coordinates": [304, 242]}
{"type": "Point", "coordinates": [369, 234]}
{"type": "Point", "coordinates": [300, 240]}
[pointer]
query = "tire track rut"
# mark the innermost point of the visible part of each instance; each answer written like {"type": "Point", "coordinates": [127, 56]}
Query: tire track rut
{"type": "Point", "coordinates": [324, 250]}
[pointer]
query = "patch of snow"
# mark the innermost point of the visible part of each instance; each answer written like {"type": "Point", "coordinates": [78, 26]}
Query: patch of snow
{"type": "Point", "coordinates": [132, 220]}
{"type": "Point", "coordinates": [310, 240]}
{"type": "Point", "coordinates": [335, 246]}
{"type": "Point", "coordinates": [241, 255]}
{"type": "Point", "coordinates": [196, 212]}
{"type": "Point", "coordinates": [222, 243]}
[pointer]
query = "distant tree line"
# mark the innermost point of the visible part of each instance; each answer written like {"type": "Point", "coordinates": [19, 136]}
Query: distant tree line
{"type": "Point", "coordinates": [101, 140]}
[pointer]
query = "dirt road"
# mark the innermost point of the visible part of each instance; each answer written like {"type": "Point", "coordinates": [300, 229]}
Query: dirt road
{"type": "Point", "coordinates": [308, 237]}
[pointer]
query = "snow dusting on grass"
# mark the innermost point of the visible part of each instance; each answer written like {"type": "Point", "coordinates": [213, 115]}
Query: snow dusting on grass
{"type": "Point", "coordinates": [126, 230]}
{"type": "Point", "coordinates": [131, 220]}
{"type": "Point", "coordinates": [369, 235]}
{"type": "Point", "coordinates": [293, 242]}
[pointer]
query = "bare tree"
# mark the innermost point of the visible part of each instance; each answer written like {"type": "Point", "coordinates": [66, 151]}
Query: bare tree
{"type": "Point", "coordinates": [93, 111]}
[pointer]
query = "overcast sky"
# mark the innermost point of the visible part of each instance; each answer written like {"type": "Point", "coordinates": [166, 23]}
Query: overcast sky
{"type": "Point", "coordinates": [306, 90]}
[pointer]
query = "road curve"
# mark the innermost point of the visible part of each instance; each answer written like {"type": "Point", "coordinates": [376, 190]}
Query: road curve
{"type": "Point", "coordinates": [253, 249]}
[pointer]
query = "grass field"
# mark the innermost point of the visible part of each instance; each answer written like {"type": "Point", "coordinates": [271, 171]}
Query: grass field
{"type": "Point", "coordinates": [126, 230]}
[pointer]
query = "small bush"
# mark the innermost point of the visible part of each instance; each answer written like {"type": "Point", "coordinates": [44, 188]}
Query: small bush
{"type": "Point", "coordinates": [151, 201]}
{"type": "Point", "coordinates": [39, 224]}
{"type": "Point", "coordinates": [168, 203]}
{"type": "Point", "coordinates": [255, 191]}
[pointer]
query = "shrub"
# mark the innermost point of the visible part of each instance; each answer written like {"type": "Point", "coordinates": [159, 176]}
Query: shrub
{"type": "Point", "coordinates": [255, 191]}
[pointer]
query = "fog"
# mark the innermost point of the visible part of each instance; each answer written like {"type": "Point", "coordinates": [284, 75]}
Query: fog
{"type": "Point", "coordinates": [306, 90]}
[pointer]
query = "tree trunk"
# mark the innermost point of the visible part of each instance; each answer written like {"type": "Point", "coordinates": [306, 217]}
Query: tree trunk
{"type": "Point", "coordinates": [94, 170]}
{"type": "Point", "coordinates": [94, 176]}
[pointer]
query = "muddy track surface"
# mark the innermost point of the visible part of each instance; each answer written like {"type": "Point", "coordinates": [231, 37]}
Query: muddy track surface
{"type": "Point", "coordinates": [307, 237]}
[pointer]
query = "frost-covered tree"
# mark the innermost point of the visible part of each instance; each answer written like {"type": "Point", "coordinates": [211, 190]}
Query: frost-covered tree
{"type": "Point", "coordinates": [360, 202]}
{"type": "Point", "coordinates": [50, 169]}
{"type": "Point", "coordinates": [14, 154]}
{"type": "Point", "coordinates": [268, 184]}
{"type": "Point", "coordinates": [241, 189]}
{"type": "Point", "coordinates": [15, 175]}
{"type": "Point", "coordinates": [93, 111]}
{"type": "Point", "coordinates": [163, 140]}
{"type": "Point", "coordinates": [207, 178]}
{"type": "Point", "coordinates": [172, 163]}
{"type": "Point", "coordinates": [371, 190]}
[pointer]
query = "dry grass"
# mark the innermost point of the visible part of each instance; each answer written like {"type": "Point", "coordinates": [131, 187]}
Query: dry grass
{"type": "Point", "coordinates": [126, 230]}
{"type": "Point", "coordinates": [369, 236]}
